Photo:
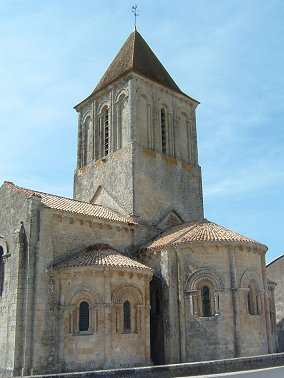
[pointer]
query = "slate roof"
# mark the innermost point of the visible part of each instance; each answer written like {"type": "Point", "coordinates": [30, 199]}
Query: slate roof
{"type": "Point", "coordinates": [70, 205]}
{"type": "Point", "coordinates": [136, 56]}
{"type": "Point", "coordinates": [103, 256]}
{"type": "Point", "coordinates": [204, 231]}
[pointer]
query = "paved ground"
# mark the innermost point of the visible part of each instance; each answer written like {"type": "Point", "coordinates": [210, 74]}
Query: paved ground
{"type": "Point", "coordinates": [277, 372]}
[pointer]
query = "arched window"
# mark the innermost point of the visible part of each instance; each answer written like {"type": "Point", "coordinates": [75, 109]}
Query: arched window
{"type": "Point", "coordinates": [126, 317]}
{"type": "Point", "coordinates": [84, 316]}
{"type": "Point", "coordinates": [206, 301]}
{"type": "Point", "coordinates": [120, 136]}
{"type": "Point", "coordinates": [106, 139]}
{"type": "Point", "coordinates": [163, 131]}
{"type": "Point", "coordinates": [1, 271]}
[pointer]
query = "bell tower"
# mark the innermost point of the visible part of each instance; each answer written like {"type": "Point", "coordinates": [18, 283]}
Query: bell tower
{"type": "Point", "coordinates": [137, 144]}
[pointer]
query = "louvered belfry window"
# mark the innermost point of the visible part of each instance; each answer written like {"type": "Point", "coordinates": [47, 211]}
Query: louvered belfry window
{"type": "Point", "coordinates": [106, 132]}
{"type": "Point", "coordinates": [84, 316]}
{"type": "Point", "coordinates": [163, 131]}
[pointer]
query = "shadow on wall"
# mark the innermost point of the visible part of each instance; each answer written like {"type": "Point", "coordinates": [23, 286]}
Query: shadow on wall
{"type": "Point", "coordinates": [280, 333]}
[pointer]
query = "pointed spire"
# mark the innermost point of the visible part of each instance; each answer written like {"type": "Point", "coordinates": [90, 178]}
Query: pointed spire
{"type": "Point", "coordinates": [136, 55]}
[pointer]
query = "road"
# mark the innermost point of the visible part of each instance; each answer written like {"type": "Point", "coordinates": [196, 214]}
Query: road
{"type": "Point", "coordinates": [277, 372]}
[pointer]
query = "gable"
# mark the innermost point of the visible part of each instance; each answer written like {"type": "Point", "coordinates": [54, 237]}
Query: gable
{"type": "Point", "coordinates": [103, 198]}
{"type": "Point", "coordinates": [170, 220]}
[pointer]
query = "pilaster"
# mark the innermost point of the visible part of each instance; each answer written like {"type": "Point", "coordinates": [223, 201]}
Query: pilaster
{"type": "Point", "coordinates": [235, 302]}
{"type": "Point", "coordinates": [266, 305]}
{"type": "Point", "coordinates": [107, 318]}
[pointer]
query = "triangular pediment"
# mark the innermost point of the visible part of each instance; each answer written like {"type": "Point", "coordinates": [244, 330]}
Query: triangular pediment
{"type": "Point", "coordinates": [170, 220]}
{"type": "Point", "coordinates": [103, 198]}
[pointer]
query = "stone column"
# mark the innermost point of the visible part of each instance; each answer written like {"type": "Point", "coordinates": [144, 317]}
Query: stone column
{"type": "Point", "coordinates": [188, 142]}
{"type": "Point", "coordinates": [94, 125]}
{"type": "Point", "coordinates": [181, 304]}
{"type": "Point", "coordinates": [194, 139]}
{"type": "Point", "coordinates": [235, 301]}
{"type": "Point", "coordinates": [30, 288]}
{"type": "Point", "coordinates": [132, 110]}
{"type": "Point", "coordinates": [146, 319]}
{"type": "Point", "coordinates": [266, 305]}
{"type": "Point", "coordinates": [107, 319]}
{"type": "Point", "coordinates": [111, 124]}
{"type": "Point", "coordinates": [21, 253]}
{"type": "Point", "coordinates": [79, 142]}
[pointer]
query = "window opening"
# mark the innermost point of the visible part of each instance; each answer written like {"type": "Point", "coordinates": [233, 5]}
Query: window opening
{"type": "Point", "coordinates": [163, 131]}
{"type": "Point", "coordinates": [84, 316]}
{"type": "Point", "coordinates": [206, 305]}
{"type": "Point", "coordinates": [106, 133]}
{"type": "Point", "coordinates": [126, 316]}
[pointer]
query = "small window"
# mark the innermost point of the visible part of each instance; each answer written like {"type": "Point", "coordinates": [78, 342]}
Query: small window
{"type": "Point", "coordinates": [206, 301]}
{"type": "Point", "coordinates": [1, 271]}
{"type": "Point", "coordinates": [163, 131]}
{"type": "Point", "coordinates": [126, 317]}
{"type": "Point", "coordinates": [84, 317]}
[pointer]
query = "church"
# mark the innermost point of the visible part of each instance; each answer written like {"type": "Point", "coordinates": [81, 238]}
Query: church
{"type": "Point", "coordinates": [128, 272]}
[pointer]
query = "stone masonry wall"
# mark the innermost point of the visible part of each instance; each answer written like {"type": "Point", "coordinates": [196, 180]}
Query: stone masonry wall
{"type": "Point", "coordinates": [140, 179]}
{"type": "Point", "coordinates": [62, 234]}
{"type": "Point", "coordinates": [14, 209]}
{"type": "Point", "coordinates": [186, 369]}
{"type": "Point", "coordinates": [275, 273]}
{"type": "Point", "coordinates": [231, 331]}
{"type": "Point", "coordinates": [105, 345]}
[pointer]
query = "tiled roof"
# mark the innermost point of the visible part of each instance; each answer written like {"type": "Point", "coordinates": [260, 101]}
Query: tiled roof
{"type": "Point", "coordinates": [72, 206]}
{"type": "Point", "coordinates": [101, 255]}
{"type": "Point", "coordinates": [275, 260]}
{"type": "Point", "coordinates": [204, 231]}
{"type": "Point", "coordinates": [136, 56]}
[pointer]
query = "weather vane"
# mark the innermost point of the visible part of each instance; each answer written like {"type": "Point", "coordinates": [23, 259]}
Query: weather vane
{"type": "Point", "coordinates": [134, 11]}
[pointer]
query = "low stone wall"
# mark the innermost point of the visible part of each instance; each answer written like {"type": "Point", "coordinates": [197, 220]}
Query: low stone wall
{"type": "Point", "coordinates": [182, 370]}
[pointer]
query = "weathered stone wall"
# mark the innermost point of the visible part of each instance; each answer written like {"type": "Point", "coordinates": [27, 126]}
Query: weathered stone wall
{"type": "Point", "coordinates": [186, 369]}
{"type": "Point", "coordinates": [62, 234]}
{"type": "Point", "coordinates": [230, 331]}
{"type": "Point", "coordinates": [114, 171]}
{"type": "Point", "coordinates": [163, 184]}
{"type": "Point", "coordinates": [253, 328]}
{"type": "Point", "coordinates": [113, 174]}
{"type": "Point", "coordinates": [136, 177]}
{"type": "Point", "coordinates": [275, 273]}
{"type": "Point", "coordinates": [14, 209]}
{"type": "Point", "coordinates": [105, 344]}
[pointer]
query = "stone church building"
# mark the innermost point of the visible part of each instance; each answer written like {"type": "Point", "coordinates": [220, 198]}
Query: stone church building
{"type": "Point", "coordinates": [128, 272]}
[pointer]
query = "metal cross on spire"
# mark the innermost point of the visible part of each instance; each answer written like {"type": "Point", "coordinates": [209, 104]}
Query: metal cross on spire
{"type": "Point", "coordinates": [134, 11]}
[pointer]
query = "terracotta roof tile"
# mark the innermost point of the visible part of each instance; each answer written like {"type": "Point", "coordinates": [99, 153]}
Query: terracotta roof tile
{"type": "Point", "coordinates": [72, 206]}
{"type": "Point", "coordinates": [204, 231]}
{"type": "Point", "coordinates": [103, 256]}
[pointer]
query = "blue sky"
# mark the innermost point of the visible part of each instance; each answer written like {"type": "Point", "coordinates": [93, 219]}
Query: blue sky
{"type": "Point", "coordinates": [228, 54]}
